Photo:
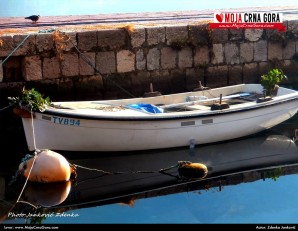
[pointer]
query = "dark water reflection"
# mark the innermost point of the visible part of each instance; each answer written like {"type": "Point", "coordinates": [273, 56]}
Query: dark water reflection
{"type": "Point", "coordinates": [251, 180]}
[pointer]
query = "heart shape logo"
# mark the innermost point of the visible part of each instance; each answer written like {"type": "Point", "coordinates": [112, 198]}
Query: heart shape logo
{"type": "Point", "coordinates": [219, 17]}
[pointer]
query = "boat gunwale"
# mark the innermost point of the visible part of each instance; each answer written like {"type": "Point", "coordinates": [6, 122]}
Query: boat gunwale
{"type": "Point", "coordinates": [172, 116]}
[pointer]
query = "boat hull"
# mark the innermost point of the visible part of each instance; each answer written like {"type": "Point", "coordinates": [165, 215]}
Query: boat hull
{"type": "Point", "coordinates": [70, 133]}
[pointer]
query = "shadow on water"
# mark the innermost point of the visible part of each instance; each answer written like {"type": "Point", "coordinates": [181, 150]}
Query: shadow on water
{"type": "Point", "coordinates": [125, 178]}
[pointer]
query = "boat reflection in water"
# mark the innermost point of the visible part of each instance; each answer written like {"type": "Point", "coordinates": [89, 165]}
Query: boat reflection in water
{"type": "Point", "coordinates": [125, 178]}
{"type": "Point", "coordinates": [138, 174]}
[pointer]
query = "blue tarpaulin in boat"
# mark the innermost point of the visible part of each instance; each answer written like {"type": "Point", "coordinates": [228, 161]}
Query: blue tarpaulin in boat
{"type": "Point", "coordinates": [146, 107]}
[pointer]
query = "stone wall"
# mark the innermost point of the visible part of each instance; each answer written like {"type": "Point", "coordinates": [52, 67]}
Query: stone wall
{"type": "Point", "coordinates": [116, 63]}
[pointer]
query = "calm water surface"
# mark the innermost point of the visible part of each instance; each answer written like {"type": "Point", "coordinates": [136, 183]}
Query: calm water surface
{"type": "Point", "coordinates": [252, 180]}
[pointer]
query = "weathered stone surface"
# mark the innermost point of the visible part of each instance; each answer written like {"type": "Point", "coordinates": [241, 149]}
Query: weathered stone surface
{"type": "Point", "coordinates": [185, 58]}
{"type": "Point", "coordinates": [87, 40]}
{"type": "Point", "coordinates": [253, 35]}
{"type": "Point", "coordinates": [32, 68]}
{"type": "Point", "coordinates": [161, 81]}
{"type": "Point", "coordinates": [193, 77]}
{"type": "Point", "coordinates": [85, 68]}
{"type": "Point", "coordinates": [198, 35]}
{"type": "Point", "coordinates": [263, 68]}
{"type": "Point", "coordinates": [231, 51]}
{"type": "Point", "coordinates": [289, 50]}
{"type": "Point", "coordinates": [235, 74]}
{"type": "Point", "coordinates": [293, 28]}
{"type": "Point", "coordinates": [111, 39]}
{"type": "Point", "coordinates": [290, 68]}
{"type": "Point", "coordinates": [44, 42]}
{"type": "Point", "coordinates": [71, 42]}
{"type": "Point", "coordinates": [153, 59]}
{"type": "Point", "coordinates": [70, 64]}
{"type": "Point", "coordinates": [250, 73]}
{"type": "Point", "coordinates": [106, 62]}
{"type": "Point", "coordinates": [275, 51]}
{"type": "Point", "coordinates": [138, 37]}
{"type": "Point", "coordinates": [28, 46]}
{"type": "Point", "coordinates": [141, 83]}
{"type": "Point", "coordinates": [90, 88]}
{"type": "Point", "coordinates": [7, 45]}
{"type": "Point", "coordinates": [176, 34]}
{"type": "Point", "coordinates": [246, 52]}
{"type": "Point", "coordinates": [219, 36]}
{"type": "Point", "coordinates": [168, 58]}
{"type": "Point", "coordinates": [217, 56]}
{"type": "Point", "coordinates": [51, 68]}
{"type": "Point", "coordinates": [217, 76]}
{"type": "Point", "coordinates": [140, 60]}
{"type": "Point", "coordinates": [1, 71]}
{"type": "Point", "coordinates": [236, 34]}
{"type": "Point", "coordinates": [260, 50]}
{"type": "Point", "coordinates": [178, 81]}
{"type": "Point", "coordinates": [125, 61]}
{"type": "Point", "coordinates": [201, 56]}
{"type": "Point", "coordinates": [156, 35]}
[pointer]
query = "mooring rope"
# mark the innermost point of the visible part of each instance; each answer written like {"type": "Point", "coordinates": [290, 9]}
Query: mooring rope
{"type": "Point", "coordinates": [97, 71]}
{"type": "Point", "coordinates": [15, 49]}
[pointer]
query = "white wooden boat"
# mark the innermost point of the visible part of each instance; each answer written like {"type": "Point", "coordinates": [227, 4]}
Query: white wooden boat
{"type": "Point", "coordinates": [164, 121]}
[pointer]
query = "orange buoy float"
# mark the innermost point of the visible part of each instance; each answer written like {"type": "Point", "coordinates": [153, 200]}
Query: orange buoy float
{"type": "Point", "coordinates": [47, 195]}
{"type": "Point", "coordinates": [48, 167]}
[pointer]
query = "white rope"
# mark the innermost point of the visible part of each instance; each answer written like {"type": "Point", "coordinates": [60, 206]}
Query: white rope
{"type": "Point", "coordinates": [33, 133]}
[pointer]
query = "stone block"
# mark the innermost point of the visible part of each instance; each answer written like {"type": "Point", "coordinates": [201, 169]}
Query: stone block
{"type": "Point", "coordinates": [275, 51]}
{"type": "Point", "coordinates": [236, 34]}
{"type": "Point", "coordinates": [140, 60]}
{"type": "Point", "coordinates": [153, 59]}
{"type": "Point", "coordinates": [193, 77]}
{"type": "Point", "coordinates": [87, 40]}
{"type": "Point", "coordinates": [32, 68]}
{"type": "Point", "coordinates": [70, 41]}
{"type": "Point", "coordinates": [293, 28]}
{"type": "Point", "coordinates": [253, 35]}
{"type": "Point", "coordinates": [155, 35]}
{"type": "Point", "coordinates": [106, 62]}
{"type": "Point", "coordinates": [125, 61]}
{"type": "Point", "coordinates": [201, 56]}
{"type": "Point", "coordinates": [51, 68]}
{"type": "Point", "coordinates": [235, 75]}
{"type": "Point", "coordinates": [44, 42]}
{"type": "Point", "coordinates": [263, 68]}
{"type": "Point", "coordinates": [111, 39]}
{"type": "Point", "coordinates": [140, 83]}
{"type": "Point", "coordinates": [89, 87]}
{"type": "Point", "coordinates": [260, 50]}
{"type": "Point", "coordinates": [185, 58]}
{"type": "Point", "coordinates": [219, 36]}
{"type": "Point", "coordinates": [199, 35]}
{"type": "Point", "coordinates": [137, 37]}
{"type": "Point", "coordinates": [178, 81]}
{"type": "Point", "coordinates": [85, 59]}
{"type": "Point", "coordinates": [1, 71]}
{"type": "Point", "coordinates": [168, 58]}
{"type": "Point", "coordinates": [217, 76]}
{"type": "Point", "coordinates": [70, 65]}
{"type": "Point", "coordinates": [161, 81]}
{"type": "Point", "coordinates": [7, 45]}
{"type": "Point", "coordinates": [290, 68]}
{"type": "Point", "coordinates": [217, 54]}
{"type": "Point", "coordinates": [28, 46]}
{"type": "Point", "coordinates": [250, 73]}
{"type": "Point", "coordinates": [231, 51]}
{"type": "Point", "coordinates": [176, 34]}
{"type": "Point", "coordinates": [246, 52]}
{"type": "Point", "coordinates": [289, 50]}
